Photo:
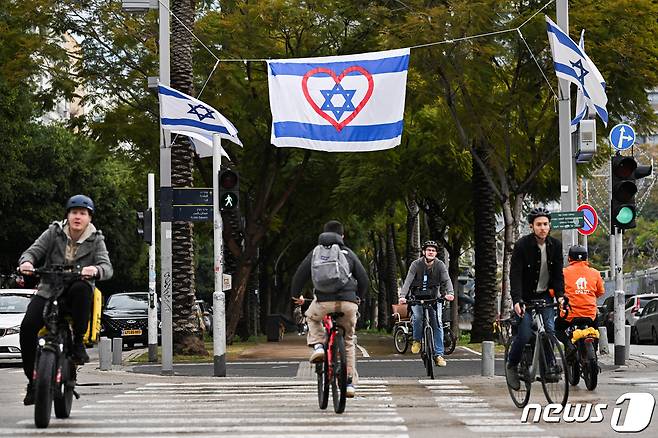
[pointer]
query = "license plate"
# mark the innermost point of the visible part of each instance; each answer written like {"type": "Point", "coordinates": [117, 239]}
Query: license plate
{"type": "Point", "coordinates": [131, 332]}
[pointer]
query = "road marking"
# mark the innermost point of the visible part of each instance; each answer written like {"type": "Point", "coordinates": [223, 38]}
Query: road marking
{"type": "Point", "coordinates": [459, 399]}
{"type": "Point", "coordinates": [483, 413]}
{"type": "Point", "coordinates": [464, 405]}
{"type": "Point", "coordinates": [363, 351]}
{"type": "Point", "coordinates": [439, 382]}
{"type": "Point", "coordinates": [453, 391]}
{"type": "Point", "coordinates": [294, 420]}
{"type": "Point", "coordinates": [86, 431]}
{"type": "Point", "coordinates": [472, 351]}
{"type": "Point", "coordinates": [504, 429]}
{"type": "Point", "coordinates": [305, 369]}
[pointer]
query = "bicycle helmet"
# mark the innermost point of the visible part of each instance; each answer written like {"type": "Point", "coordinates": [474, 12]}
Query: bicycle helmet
{"type": "Point", "coordinates": [578, 252]}
{"type": "Point", "coordinates": [538, 212]}
{"type": "Point", "coordinates": [80, 201]}
{"type": "Point", "coordinates": [430, 243]}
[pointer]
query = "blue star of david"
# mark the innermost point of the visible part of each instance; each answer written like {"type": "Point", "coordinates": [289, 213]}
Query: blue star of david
{"type": "Point", "coordinates": [329, 106]}
{"type": "Point", "coordinates": [579, 65]}
{"type": "Point", "coordinates": [194, 109]}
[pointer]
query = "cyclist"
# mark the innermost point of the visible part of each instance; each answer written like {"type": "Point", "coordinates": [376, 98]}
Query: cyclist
{"type": "Point", "coordinates": [582, 286]}
{"type": "Point", "coordinates": [429, 275]}
{"type": "Point", "coordinates": [73, 241]}
{"type": "Point", "coordinates": [536, 266]}
{"type": "Point", "coordinates": [344, 299]}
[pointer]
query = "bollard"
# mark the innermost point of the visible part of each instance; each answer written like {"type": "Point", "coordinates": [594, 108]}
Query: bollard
{"type": "Point", "coordinates": [488, 358]}
{"type": "Point", "coordinates": [604, 348]}
{"type": "Point", "coordinates": [117, 351]}
{"type": "Point", "coordinates": [105, 354]}
{"type": "Point", "coordinates": [627, 333]}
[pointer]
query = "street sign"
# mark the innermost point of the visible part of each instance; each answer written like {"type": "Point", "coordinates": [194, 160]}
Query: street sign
{"type": "Point", "coordinates": [567, 220]}
{"type": "Point", "coordinates": [590, 219]}
{"type": "Point", "coordinates": [194, 213]}
{"type": "Point", "coordinates": [227, 282]}
{"type": "Point", "coordinates": [622, 136]}
{"type": "Point", "coordinates": [192, 196]}
{"type": "Point", "coordinates": [228, 201]}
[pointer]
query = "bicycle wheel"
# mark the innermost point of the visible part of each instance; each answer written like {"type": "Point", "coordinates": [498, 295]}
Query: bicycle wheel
{"type": "Point", "coordinates": [591, 368]}
{"type": "Point", "coordinates": [449, 341]}
{"type": "Point", "coordinates": [574, 371]}
{"type": "Point", "coordinates": [521, 396]}
{"type": "Point", "coordinates": [64, 394]}
{"type": "Point", "coordinates": [400, 340]}
{"type": "Point", "coordinates": [428, 340]}
{"type": "Point", "coordinates": [553, 370]}
{"type": "Point", "coordinates": [44, 388]}
{"type": "Point", "coordinates": [339, 380]}
{"type": "Point", "coordinates": [322, 370]}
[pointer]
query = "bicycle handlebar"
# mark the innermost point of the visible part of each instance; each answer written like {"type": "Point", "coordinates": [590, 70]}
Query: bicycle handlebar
{"type": "Point", "coordinates": [413, 301]}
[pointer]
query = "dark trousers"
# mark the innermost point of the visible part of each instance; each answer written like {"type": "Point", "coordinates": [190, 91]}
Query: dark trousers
{"type": "Point", "coordinates": [77, 303]}
{"type": "Point", "coordinates": [561, 326]}
{"type": "Point", "coordinates": [525, 333]}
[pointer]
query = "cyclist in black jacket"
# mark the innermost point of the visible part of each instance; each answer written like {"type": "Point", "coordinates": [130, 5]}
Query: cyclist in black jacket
{"type": "Point", "coordinates": [536, 267]}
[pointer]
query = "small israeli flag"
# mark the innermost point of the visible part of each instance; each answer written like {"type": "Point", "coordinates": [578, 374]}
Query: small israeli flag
{"type": "Point", "coordinates": [572, 63]}
{"type": "Point", "coordinates": [350, 103]}
{"type": "Point", "coordinates": [183, 114]}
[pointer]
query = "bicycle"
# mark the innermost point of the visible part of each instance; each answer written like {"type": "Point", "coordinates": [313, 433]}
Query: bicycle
{"type": "Point", "coordinates": [55, 371]}
{"type": "Point", "coordinates": [332, 371]}
{"type": "Point", "coordinates": [403, 335]}
{"type": "Point", "coordinates": [543, 360]}
{"type": "Point", "coordinates": [585, 361]}
{"type": "Point", "coordinates": [427, 341]}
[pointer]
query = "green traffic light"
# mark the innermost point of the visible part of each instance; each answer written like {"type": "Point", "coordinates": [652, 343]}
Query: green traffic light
{"type": "Point", "coordinates": [625, 215]}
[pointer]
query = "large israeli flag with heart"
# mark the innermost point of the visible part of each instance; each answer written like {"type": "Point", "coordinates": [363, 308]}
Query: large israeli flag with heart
{"type": "Point", "coordinates": [352, 103]}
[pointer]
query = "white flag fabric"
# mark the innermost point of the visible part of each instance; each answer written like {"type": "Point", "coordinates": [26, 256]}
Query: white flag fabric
{"type": "Point", "coordinates": [585, 106]}
{"type": "Point", "coordinates": [352, 103]}
{"type": "Point", "coordinates": [571, 63]}
{"type": "Point", "coordinates": [183, 114]}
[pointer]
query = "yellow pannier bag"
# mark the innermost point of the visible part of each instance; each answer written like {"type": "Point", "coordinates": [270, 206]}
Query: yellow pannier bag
{"type": "Point", "coordinates": [94, 327]}
{"type": "Point", "coordinates": [580, 334]}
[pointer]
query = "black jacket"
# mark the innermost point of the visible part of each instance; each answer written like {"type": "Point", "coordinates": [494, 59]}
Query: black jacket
{"type": "Point", "coordinates": [353, 291]}
{"type": "Point", "coordinates": [524, 269]}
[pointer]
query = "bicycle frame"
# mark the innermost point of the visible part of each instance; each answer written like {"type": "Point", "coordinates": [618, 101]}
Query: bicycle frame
{"type": "Point", "coordinates": [538, 320]}
{"type": "Point", "coordinates": [331, 328]}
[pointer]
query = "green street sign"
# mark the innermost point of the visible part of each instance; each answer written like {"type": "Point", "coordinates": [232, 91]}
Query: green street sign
{"type": "Point", "coordinates": [567, 220]}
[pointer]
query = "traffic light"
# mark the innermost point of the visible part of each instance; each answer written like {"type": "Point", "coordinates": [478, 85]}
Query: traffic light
{"type": "Point", "coordinates": [625, 173]}
{"type": "Point", "coordinates": [145, 225]}
{"type": "Point", "coordinates": [229, 190]}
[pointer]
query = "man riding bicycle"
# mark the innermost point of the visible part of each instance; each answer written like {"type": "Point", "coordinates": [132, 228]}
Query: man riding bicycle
{"type": "Point", "coordinates": [582, 286]}
{"type": "Point", "coordinates": [427, 276]}
{"type": "Point", "coordinates": [332, 295]}
{"type": "Point", "coordinates": [73, 241]}
{"type": "Point", "coordinates": [535, 268]}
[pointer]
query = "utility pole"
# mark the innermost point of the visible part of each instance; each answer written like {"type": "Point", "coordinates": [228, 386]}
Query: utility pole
{"type": "Point", "coordinates": [153, 298]}
{"type": "Point", "coordinates": [567, 160]}
{"type": "Point", "coordinates": [218, 296]}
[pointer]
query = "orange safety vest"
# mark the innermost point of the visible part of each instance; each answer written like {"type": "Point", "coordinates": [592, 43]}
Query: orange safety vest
{"type": "Point", "coordinates": [582, 286]}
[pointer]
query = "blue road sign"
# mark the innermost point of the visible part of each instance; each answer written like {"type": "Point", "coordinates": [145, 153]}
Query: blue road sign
{"type": "Point", "coordinates": [622, 136]}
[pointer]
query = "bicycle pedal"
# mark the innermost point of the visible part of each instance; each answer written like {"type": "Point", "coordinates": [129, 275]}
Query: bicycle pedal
{"type": "Point", "coordinates": [75, 393]}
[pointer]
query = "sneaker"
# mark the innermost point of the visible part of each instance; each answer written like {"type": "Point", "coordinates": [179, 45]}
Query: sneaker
{"type": "Point", "coordinates": [318, 354]}
{"type": "Point", "coordinates": [439, 361]}
{"type": "Point", "coordinates": [415, 347]}
{"type": "Point", "coordinates": [79, 354]}
{"type": "Point", "coordinates": [29, 395]}
{"type": "Point", "coordinates": [513, 379]}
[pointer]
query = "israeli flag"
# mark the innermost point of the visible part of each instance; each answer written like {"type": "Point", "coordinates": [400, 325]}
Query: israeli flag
{"type": "Point", "coordinates": [183, 114]}
{"type": "Point", "coordinates": [352, 103]}
{"type": "Point", "coordinates": [572, 63]}
{"type": "Point", "coordinates": [584, 106]}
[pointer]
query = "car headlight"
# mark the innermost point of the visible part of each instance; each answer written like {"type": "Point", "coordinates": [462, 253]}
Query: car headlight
{"type": "Point", "coordinates": [13, 330]}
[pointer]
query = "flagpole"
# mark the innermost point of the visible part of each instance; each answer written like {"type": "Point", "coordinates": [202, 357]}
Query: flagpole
{"type": "Point", "coordinates": [567, 160]}
{"type": "Point", "coordinates": [218, 296]}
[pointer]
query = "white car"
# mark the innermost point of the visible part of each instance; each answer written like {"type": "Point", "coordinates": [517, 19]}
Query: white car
{"type": "Point", "coordinates": [13, 304]}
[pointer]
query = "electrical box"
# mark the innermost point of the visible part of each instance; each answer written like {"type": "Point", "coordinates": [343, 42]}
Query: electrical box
{"type": "Point", "coordinates": [586, 137]}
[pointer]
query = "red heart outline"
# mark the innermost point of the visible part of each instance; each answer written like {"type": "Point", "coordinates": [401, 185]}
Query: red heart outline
{"type": "Point", "coordinates": [337, 79]}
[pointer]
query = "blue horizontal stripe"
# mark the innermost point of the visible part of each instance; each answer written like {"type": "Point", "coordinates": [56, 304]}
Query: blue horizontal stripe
{"type": "Point", "coordinates": [195, 124]}
{"type": "Point", "coordinates": [564, 39]}
{"type": "Point", "coordinates": [329, 133]}
{"type": "Point", "coordinates": [602, 113]}
{"type": "Point", "coordinates": [171, 92]}
{"type": "Point", "coordinates": [373, 66]}
{"type": "Point", "coordinates": [565, 69]}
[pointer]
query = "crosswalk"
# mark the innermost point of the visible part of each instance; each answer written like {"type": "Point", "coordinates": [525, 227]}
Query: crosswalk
{"type": "Point", "coordinates": [244, 409]}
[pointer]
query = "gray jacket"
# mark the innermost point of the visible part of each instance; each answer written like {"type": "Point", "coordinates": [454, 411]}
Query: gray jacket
{"type": "Point", "coordinates": [440, 279]}
{"type": "Point", "coordinates": [50, 249]}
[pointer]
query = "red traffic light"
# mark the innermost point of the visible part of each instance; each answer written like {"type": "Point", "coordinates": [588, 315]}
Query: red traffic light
{"type": "Point", "coordinates": [228, 180]}
{"type": "Point", "coordinates": [623, 167]}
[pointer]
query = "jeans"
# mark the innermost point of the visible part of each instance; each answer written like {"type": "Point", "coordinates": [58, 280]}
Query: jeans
{"type": "Point", "coordinates": [435, 323]}
{"type": "Point", "coordinates": [525, 333]}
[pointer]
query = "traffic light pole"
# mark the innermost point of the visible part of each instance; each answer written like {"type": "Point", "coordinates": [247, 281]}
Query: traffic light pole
{"type": "Point", "coordinates": [153, 298]}
{"type": "Point", "coordinates": [567, 160]}
{"type": "Point", "coordinates": [620, 323]}
{"type": "Point", "coordinates": [218, 296]}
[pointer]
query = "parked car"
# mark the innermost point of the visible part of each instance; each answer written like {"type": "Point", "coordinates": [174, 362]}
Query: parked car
{"type": "Point", "coordinates": [634, 306]}
{"type": "Point", "coordinates": [126, 316]}
{"type": "Point", "coordinates": [13, 304]}
{"type": "Point", "coordinates": [646, 326]}
{"type": "Point", "coordinates": [607, 315]}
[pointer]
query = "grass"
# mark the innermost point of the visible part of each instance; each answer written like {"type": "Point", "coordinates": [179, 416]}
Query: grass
{"type": "Point", "coordinates": [465, 341]}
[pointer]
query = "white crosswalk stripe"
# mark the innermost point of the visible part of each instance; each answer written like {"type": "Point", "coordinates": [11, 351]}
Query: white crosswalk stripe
{"type": "Point", "coordinates": [476, 413]}
{"type": "Point", "coordinates": [244, 409]}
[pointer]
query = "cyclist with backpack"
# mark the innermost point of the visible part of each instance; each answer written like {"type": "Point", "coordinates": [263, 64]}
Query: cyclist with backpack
{"type": "Point", "coordinates": [339, 282]}
{"type": "Point", "coordinates": [429, 276]}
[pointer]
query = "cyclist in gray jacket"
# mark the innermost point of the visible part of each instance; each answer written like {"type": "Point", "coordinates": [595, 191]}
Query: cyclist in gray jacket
{"type": "Point", "coordinates": [74, 241]}
{"type": "Point", "coordinates": [428, 276]}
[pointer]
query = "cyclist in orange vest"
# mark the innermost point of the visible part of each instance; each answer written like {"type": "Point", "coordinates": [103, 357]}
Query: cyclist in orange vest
{"type": "Point", "coordinates": [582, 286]}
